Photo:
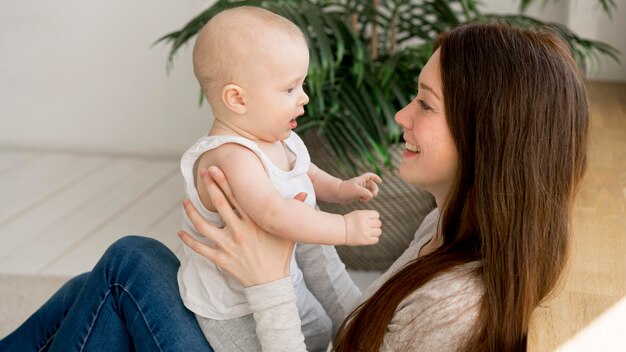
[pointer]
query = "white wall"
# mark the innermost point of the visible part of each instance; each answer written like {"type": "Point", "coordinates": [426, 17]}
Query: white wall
{"type": "Point", "coordinates": [552, 11]}
{"type": "Point", "coordinates": [82, 75]}
{"type": "Point", "coordinates": [587, 19]}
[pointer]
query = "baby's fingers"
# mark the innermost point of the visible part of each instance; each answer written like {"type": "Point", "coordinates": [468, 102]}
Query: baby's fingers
{"type": "Point", "coordinates": [375, 230]}
{"type": "Point", "coordinates": [365, 195]}
{"type": "Point", "coordinates": [371, 214]}
{"type": "Point", "coordinates": [374, 239]}
{"type": "Point", "coordinates": [374, 178]}
{"type": "Point", "coordinates": [376, 223]}
{"type": "Point", "coordinates": [372, 188]}
{"type": "Point", "coordinates": [372, 184]}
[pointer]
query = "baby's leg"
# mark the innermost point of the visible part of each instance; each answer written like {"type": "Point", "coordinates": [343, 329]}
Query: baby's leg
{"type": "Point", "coordinates": [326, 277]}
{"type": "Point", "coordinates": [317, 327]}
{"type": "Point", "coordinates": [237, 334]}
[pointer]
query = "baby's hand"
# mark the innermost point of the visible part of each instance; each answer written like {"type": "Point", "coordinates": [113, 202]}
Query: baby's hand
{"type": "Point", "coordinates": [363, 188]}
{"type": "Point", "coordinates": [362, 227]}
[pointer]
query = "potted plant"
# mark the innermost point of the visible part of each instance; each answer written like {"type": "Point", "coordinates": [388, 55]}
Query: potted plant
{"type": "Point", "coordinates": [366, 56]}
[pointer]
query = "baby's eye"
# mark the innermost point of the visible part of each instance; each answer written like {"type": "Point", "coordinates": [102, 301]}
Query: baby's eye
{"type": "Point", "coordinates": [290, 90]}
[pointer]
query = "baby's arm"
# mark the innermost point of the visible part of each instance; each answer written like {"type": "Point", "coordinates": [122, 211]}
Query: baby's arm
{"type": "Point", "coordinates": [334, 190]}
{"type": "Point", "coordinates": [289, 218]}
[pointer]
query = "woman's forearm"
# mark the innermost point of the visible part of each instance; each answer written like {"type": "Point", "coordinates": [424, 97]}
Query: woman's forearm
{"type": "Point", "coordinates": [276, 314]}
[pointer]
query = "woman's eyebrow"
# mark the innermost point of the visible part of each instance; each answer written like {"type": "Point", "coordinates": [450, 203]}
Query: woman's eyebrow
{"type": "Point", "coordinates": [428, 88]}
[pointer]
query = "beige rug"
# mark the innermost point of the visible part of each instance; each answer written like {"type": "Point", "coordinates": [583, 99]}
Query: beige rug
{"type": "Point", "coordinates": [21, 295]}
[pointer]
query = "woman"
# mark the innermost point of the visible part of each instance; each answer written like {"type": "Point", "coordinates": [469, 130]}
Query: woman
{"type": "Point", "coordinates": [497, 133]}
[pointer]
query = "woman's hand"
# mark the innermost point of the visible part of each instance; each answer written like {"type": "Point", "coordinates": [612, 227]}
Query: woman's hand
{"type": "Point", "coordinates": [245, 251]}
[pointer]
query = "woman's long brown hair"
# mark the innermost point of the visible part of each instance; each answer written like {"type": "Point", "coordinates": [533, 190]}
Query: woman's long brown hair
{"type": "Point", "coordinates": [517, 109]}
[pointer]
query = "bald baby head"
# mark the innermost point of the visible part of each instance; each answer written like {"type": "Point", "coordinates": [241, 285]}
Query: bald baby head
{"type": "Point", "coordinates": [236, 42]}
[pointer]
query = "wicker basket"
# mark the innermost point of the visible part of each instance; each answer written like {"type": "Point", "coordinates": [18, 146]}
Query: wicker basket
{"type": "Point", "coordinates": [402, 208]}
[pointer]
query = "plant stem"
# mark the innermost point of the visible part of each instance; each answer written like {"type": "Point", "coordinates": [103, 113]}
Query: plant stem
{"type": "Point", "coordinates": [374, 39]}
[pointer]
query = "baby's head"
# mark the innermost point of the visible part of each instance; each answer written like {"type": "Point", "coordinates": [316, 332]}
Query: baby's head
{"type": "Point", "coordinates": [251, 64]}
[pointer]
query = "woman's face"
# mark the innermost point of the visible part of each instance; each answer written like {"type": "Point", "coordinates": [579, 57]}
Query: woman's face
{"type": "Point", "coordinates": [430, 155]}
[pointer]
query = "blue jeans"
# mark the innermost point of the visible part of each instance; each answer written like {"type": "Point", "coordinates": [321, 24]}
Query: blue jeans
{"type": "Point", "coordinates": [128, 302]}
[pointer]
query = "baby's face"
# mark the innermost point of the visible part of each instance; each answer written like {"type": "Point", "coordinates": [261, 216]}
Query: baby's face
{"type": "Point", "coordinates": [275, 97]}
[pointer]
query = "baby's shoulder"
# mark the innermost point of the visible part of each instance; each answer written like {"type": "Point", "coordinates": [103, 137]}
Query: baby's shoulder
{"type": "Point", "coordinates": [227, 153]}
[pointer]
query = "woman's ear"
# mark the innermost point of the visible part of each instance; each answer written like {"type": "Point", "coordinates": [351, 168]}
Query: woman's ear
{"type": "Point", "coordinates": [233, 97]}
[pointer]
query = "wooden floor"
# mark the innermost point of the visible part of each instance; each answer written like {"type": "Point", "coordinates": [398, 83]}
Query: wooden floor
{"type": "Point", "coordinates": [59, 212]}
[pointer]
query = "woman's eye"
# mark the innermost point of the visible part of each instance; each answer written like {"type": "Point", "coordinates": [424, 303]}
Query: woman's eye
{"type": "Point", "coordinates": [424, 106]}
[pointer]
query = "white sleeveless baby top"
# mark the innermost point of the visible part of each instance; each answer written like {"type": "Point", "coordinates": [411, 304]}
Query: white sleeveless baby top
{"type": "Point", "coordinates": [204, 288]}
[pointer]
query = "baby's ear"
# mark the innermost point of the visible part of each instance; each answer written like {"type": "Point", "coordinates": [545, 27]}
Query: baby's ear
{"type": "Point", "coordinates": [233, 97]}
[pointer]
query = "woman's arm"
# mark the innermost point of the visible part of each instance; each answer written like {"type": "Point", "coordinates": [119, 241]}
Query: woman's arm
{"type": "Point", "coordinates": [275, 312]}
{"type": "Point", "coordinates": [255, 258]}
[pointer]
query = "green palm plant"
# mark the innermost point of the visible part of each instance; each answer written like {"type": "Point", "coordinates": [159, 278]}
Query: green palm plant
{"type": "Point", "coordinates": [365, 58]}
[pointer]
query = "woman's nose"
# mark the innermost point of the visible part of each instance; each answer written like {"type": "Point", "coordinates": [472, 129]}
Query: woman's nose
{"type": "Point", "coordinates": [401, 118]}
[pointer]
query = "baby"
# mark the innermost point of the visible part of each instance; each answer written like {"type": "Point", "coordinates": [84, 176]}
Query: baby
{"type": "Point", "coordinates": [251, 64]}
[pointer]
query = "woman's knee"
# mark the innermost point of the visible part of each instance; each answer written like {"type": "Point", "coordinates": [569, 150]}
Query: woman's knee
{"type": "Point", "coordinates": [135, 245]}
{"type": "Point", "coordinates": [133, 242]}
{"type": "Point", "coordinates": [76, 283]}
{"type": "Point", "coordinates": [136, 252]}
